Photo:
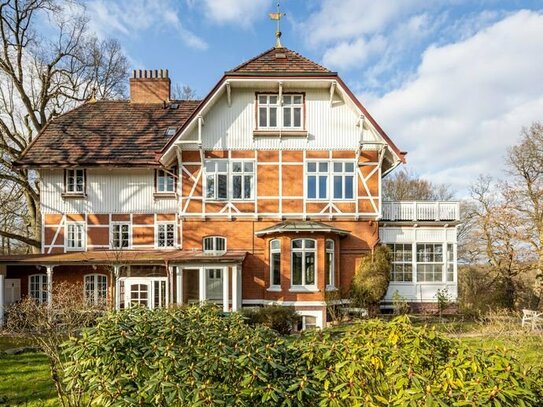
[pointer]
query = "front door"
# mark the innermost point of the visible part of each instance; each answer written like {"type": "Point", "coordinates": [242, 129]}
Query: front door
{"type": "Point", "coordinates": [149, 292]}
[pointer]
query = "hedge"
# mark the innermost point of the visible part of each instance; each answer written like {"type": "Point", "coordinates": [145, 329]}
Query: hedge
{"type": "Point", "coordinates": [197, 356]}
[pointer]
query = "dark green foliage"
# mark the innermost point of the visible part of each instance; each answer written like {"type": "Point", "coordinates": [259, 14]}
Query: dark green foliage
{"type": "Point", "coordinates": [371, 280]}
{"type": "Point", "coordinates": [279, 318]}
{"type": "Point", "coordinates": [195, 356]}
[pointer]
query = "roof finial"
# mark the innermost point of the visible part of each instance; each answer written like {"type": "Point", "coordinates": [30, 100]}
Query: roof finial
{"type": "Point", "coordinates": [92, 98]}
{"type": "Point", "coordinates": [277, 17]}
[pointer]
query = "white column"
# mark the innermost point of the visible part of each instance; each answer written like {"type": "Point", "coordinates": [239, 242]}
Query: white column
{"type": "Point", "coordinates": [170, 285]}
{"type": "Point", "coordinates": [225, 289]}
{"type": "Point", "coordinates": [179, 285]}
{"type": "Point", "coordinates": [236, 287]}
{"type": "Point", "coordinates": [49, 273]}
{"type": "Point", "coordinates": [2, 299]}
{"type": "Point", "coordinates": [202, 280]}
{"type": "Point", "coordinates": [117, 274]}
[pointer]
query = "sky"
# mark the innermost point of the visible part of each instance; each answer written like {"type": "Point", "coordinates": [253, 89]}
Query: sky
{"type": "Point", "coordinates": [452, 82]}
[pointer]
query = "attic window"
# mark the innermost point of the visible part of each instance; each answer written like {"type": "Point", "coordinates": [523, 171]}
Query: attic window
{"type": "Point", "coordinates": [170, 131]}
{"type": "Point", "coordinates": [174, 106]}
{"type": "Point", "coordinates": [280, 55]}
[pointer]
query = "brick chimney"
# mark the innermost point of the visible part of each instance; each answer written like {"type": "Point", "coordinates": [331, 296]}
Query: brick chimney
{"type": "Point", "coordinates": [149, 86]}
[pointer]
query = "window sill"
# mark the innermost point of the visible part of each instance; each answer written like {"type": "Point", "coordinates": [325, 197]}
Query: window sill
{"type": "Point", "coordinates": [274, 289]}
{"type": "Point", "coordinates": [304, 289]}
{"type": "Point", "coordinates": [280, 133]}
{"type": "Point", "coordinates": [73, 195]}
{"type": "Point", "coordinates": [331, 288]}
{"type": "Point", "coordinates": [165, 195]}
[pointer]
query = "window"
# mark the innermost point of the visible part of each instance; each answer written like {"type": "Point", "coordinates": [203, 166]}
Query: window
{"type": "Point", "coordinates": [268, 107]}
{"type": "Point", "coordinates": [215, 245]}
{"type": "Point", "coordinates": [307, 322]}
{"type": "Point", "coordinates": [242, 179]}
{"type": "Point", "coordinates": [275, 263]}
{"type": "Point", "coordinates": [75, 236]}
{"type": "Point", "coordinates": [37, 287]}
{"type": "Point", "coordinates": [216, 179]}
{"type": "Point", "coordinates": [339, 176]}
{"type": "Point", "coordinates": [74, 181]}
{"type": "Point", "coordinates": [450, 262]}
{"type": "Point", "coordinates": [120, 235]}
{"type": "Point", "coordinates": [343, 179]}
{"type": "Point", "coordinates": [402, 262]}
{"type": "Point", "coordinates": [292, 111]}
{"type": "Point", "coordinates": [95, 289]}
{"type": "Point", "coordinates": [317, 180]}
{"type": "Point", "coordinates": [166, 234]}
{"type": "Point", "coordinates": [429, 262]}
{"type": "Point", "coordinates": [170, 131]}
{"type": "Point", "coordinates": [329, 272]}
{"type": "Point", "coordinates": [165, 181]}
{"type": "Point", "coordinates": [214, 288]}
{"type": "Point", "coordinates": [304, 253]}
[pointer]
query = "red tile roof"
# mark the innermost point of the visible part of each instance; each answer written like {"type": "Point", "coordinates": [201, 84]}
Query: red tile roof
{"type": "Point", "coordinates": [279, 60]}
{"type": "Point", "coordinates": [107, 132]}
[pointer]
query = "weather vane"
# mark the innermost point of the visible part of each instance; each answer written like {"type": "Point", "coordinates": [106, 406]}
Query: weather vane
{"type": "Point", "coordinates": [277, 17]}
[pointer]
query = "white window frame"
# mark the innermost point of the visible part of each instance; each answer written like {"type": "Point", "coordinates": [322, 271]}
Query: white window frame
{"type": "Point", "coordinates": [112, 235]}
{"type": "Point", "coordinates": [330, 174]}
{"type": "Point", "coordinates": [94, 298]}
{"type": "Point", "coordinates": [71, 177]}
{"type": "Point", "coordinates": [304, 251]}
{"type": "Point", "coordinates": [243, 174]}
{"type": "Point", "coordinates": [318, 315]}
{"type": "Point", "coordinates": [343, 174]}
{"type": "Point", "coordinates": [450, 262]}
{"type": "Point", "coordinates": [402, 262]}
{"type": "Point", "coordinates": [272, 271]}
{"type": "Point", "coordinates": [41, 293]}
{"type": "Point", "coordinates": [268, 106]}
{"type": "Point", "coordinates": [291, 106]}
{"type": "Point", "coordinates": [215, 174]}
{"type": "Point", "coordinates": [166, 187]}
{"type": "Point", "coordinates": [165, 224]}
{"type": "Point", "coordinates": [330, 263]}
{"type": "Point", "coordinates": [432, 263]}
{"type": "Point", "coordinates": [71, 247]}
{"type": "Point", "coordinates": [214, 243]}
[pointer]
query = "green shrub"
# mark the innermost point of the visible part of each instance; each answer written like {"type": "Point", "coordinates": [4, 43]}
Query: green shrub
{"type": "Point", "coordinates": [194, 356]}
{"type": "Point", "coordinates": [371, 280]}
{"type": "Point", "coordinates": [280, 319]}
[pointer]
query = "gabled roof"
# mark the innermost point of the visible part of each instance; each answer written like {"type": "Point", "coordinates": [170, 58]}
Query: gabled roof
{"type": "Point", "coordinates": [301, 226]}
{"type": "Point", "coordinates": [280, 61]}
{"type": "Point", "coordinates": [106, 133]}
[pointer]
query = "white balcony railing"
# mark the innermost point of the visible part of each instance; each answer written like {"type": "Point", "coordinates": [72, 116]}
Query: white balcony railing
{"type": "Point", "coordinates": [417, 211]}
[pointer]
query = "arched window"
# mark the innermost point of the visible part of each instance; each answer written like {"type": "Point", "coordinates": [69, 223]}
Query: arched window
{"type": "Point", "coordinates": [275, 263]}
{"type": "Point", "coordinates": [37, 287]}
{"type": "Point", "coordinates": [96, 289]}
{"type": "Point", "coordinates": [304, 258]}
{"type": "Point", "coordinates": [214, 245]}
{"type": "Point", "coordinates": [329, 263]}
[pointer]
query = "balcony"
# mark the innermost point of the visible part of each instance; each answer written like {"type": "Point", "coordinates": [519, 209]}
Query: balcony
{"type": "Point", "coordinates": [420, 211]}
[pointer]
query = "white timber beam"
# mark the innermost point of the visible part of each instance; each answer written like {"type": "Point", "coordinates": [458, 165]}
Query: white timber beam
{"type": "Point", "coordinates": [49, 275]}
{"type": "Point", "coordinates": [228, 93]}
{"type": "Point", "coordinates": [225, 289]}
{"type": "Point", "coordinates": [117, 275]}
{"type": "Point", "coordinates": [179, 285]}
{"type": "Point", "coordinates": [332, 92]}
{"type": "Point", "coordinates": [236, 287]}
{"type": "Point", "coordinates": [202, 284]}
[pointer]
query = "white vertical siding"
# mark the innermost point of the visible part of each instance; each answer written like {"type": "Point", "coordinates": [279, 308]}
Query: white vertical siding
{"type": "Point", "coordinates": [329, 127]}
{"type": "Point", "coordinates": [108, 191]}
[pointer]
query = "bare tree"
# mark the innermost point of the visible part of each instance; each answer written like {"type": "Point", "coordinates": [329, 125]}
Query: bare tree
{"type": "Point", "coordinates": [406, 186]}
{"type": "Point", "coordinates": [43, 74]}
{"type": "Point", "coordinates": [525, 189]}
{"type": "Point", "coordinates": [183, 92]}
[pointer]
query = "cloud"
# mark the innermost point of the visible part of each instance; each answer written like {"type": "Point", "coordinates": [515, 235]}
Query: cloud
{"type": "Point", "coordinates": [349, 54]}
{"type": "Point", "coordinates": [239, 12]}
{"type": "Point", "coordinates": [468, 101]}
{"type": "Point", "coordinates": [134, 17]}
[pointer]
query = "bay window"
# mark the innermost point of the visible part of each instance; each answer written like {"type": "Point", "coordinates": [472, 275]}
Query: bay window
{"type": "Point", "coordinates": [430, 262]}
{"type": "Point", "coordinates": [275, 263]}
{"type": "Point", "coordinates": [304, 254]}
{"type": "Point", "coordinates": [402, 262]}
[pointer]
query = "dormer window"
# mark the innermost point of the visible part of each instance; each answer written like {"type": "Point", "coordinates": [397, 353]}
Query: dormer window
{"type": "Point", "coordinates": [170, 131]}
{"type": "Point", "coordinates": [285, 112]}
{"type": "Point", "coordinates": [214, 245]}
{"type": "Point", "coordinates": [74, 181]}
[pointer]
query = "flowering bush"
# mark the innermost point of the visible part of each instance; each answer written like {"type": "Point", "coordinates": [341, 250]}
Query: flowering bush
{"type": "Point", "coordinates": [196, 356]}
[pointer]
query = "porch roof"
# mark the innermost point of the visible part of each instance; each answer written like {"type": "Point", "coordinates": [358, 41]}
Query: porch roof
{"type": "Point", "coordinates": [107, 257]}
{"type": "Point", "coordinates": [301, 226]}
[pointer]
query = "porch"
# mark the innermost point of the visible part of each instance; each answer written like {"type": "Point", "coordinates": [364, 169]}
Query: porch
{"type": "Point", "coordinates": [124, 279]}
